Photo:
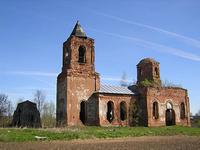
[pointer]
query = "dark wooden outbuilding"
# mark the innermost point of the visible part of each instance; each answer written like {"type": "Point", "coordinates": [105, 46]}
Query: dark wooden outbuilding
{"type": "Point", "coordinates": [26, 115]}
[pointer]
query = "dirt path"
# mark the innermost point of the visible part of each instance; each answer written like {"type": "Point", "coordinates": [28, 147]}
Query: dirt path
{"type": "Point", "coordinates": [137, 143]}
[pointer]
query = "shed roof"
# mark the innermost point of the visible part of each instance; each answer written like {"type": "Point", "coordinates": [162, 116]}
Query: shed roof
{"type": "Point", "coordinates": [115, 89]}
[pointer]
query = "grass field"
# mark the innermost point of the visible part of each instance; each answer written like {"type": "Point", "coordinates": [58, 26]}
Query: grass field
{"type": "Point", "coordinates": [21, 135]}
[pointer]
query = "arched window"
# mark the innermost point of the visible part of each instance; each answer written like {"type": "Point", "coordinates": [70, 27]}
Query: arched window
{"type": "Point", "coordinates": [83, 112]}
{"type": "Point", "coordinates": [182, 110]}
{"type": "Point", "coordinates": [110, 111]}
{"type": "Point", "coordinates": [82, 55]}
{"type": "Point", "coordinates": [169, 105]}
{"type": "Point", "coordinates": [123, 111]}
{"type": "Point", "coordinates": [155, 110]}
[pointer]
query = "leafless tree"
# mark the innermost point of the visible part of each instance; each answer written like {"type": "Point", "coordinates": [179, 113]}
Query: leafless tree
{"type": "Point", "coordinates": [6, 111]}
{"type": "Point", "coordinates": [3, 104]}
{"type": "Point", "coordinates": [9, 109]}
{"type": "Point", "coordinates": [48, 115]}
{"type": "Point", "coordinates": [167, 83]}
{"type": "Point", "coordinates": [198, 113]}
{"type": "Point", "coordinates": [124, 81]}
{"type": "Point", "coordinates": [39, 99]}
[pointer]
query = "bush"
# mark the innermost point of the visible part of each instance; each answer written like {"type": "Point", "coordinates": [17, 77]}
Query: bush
{"type": "Point", "coordinates": [146, 83]}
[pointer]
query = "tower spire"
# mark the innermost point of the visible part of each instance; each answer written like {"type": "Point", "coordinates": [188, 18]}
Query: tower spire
{"type": "Point", "coordinates": [78, 30]}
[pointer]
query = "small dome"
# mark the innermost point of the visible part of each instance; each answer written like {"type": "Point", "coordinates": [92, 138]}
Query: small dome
{"type": "Point", "coordinates": [147, 61]}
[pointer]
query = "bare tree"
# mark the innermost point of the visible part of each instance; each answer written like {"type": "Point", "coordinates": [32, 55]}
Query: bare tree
{"type": "Point", "coordinates": [6, 111]}
{"type": "Point", "coordinates": [124, 81]}
{"type": "Point", "coordinates": [166, 83]}
{"type": "Point", "coordinates": [39, 99]}
{"type": "Point", "coordinates": [3, 104]}
{"type": "Point", "coordinates": [9, 109]}
{"type": "Point", "coordinates": [48, 115]}
{"type": "Point", "coordinates": [198, 113]}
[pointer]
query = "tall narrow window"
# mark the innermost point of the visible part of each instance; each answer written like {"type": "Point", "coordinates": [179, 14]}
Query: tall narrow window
{"type": "Point", "coordinates": [82, 55]}
{"type": "Point", "coordinates": [123, 111]}
{"type": "Point", "coordinates": [156, 71]}
{"type": "Point", "coordinates": [110, 111]}
{"type": "Point", "coordinates": [66, 56]}
{"type": "Point", "coordinates": [140, 72]}
{"type": "Point", "coordinates": [182, 110]}
{"type": "Point", "coordinates": [92, 56]}
{"type": "Point", "coordinates": [155, 110]}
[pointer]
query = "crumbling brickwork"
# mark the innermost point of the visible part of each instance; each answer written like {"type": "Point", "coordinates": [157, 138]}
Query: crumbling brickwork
{"type": "Point", "coordinates": [81, 100]}
{"type": "Point", "coordinates": [148, 69]}
{"type": "Point", "coordinates": [78, 79]}
{"type": "Point", "coordinates": [153, 94]}
{"type": "Point", "coordinates": [174, 96]}
{"type": "Point", "coordinates": [116, 99]}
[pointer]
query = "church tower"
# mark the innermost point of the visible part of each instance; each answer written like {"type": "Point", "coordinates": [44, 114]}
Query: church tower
{"type": "Point", "coordinates": [78, 79]}
{"type": "Point", "coordinates": [148, 69]}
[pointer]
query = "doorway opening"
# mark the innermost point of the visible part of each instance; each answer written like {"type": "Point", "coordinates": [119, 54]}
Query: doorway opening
{"type": "Point", "coordinates": [170, 115]}
{"type": "Point", "coordinates": [83, 112]}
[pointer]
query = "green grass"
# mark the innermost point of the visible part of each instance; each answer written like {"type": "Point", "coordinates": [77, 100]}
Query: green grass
{"type": "Point", "coordinates": [22, 135]}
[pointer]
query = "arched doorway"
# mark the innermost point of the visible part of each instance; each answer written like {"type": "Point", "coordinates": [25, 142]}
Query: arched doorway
{"type": "Point", "coordinates": [83, 112]}
{"type": "Point", "coordinates": [170, 115]}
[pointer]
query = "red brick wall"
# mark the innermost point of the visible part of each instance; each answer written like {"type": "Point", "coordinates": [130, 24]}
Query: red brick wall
{"type": "Point", "coordinates": [116, 99]}
{"type": "Point", "coordinates": [163, 95]}
{"type": "Point", "coordinates": [78, 81]}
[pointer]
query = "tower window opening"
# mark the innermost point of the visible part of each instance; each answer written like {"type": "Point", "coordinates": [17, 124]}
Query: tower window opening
{"type": "Point", "coordinates": [82, 55]}
{"type": "Point", "coordinates": [156, 71]}
{"type": "Point", "coordinates": [66, 56]}
{"type": "Point", "coordinates": [140, 72]}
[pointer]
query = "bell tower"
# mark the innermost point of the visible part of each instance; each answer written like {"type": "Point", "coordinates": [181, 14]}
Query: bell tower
{"type": "Point", "coordinates": [148, 69]}
{"type": "Point", "coordinates": [78, 79]}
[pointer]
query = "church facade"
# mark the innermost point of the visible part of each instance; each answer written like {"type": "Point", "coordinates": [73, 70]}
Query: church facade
{"type": "Point", "coordinates": [82, 100]}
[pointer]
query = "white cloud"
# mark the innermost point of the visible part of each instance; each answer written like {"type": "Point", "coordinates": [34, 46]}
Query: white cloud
{"type": "Point", "coordinates": [35, 75]}
{"type": "Point", "coordinates": [154, 46]}
{"type": "Point", "coordinates": [32, 73]}
{"type": "Point", "coordinates": [185, 39]}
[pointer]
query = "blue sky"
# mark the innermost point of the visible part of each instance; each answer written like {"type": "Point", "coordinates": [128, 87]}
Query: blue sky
{"type": "Point", "coordinates": [32, 34]}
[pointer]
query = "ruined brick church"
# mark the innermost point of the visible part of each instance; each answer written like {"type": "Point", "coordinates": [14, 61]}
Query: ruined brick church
{"type": "Point", "coordinates": [82, 100]}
